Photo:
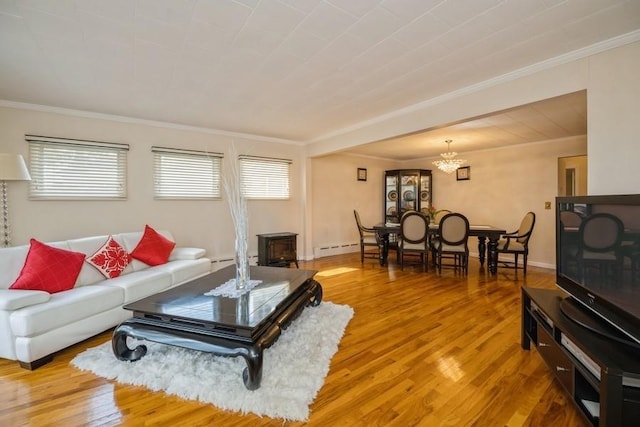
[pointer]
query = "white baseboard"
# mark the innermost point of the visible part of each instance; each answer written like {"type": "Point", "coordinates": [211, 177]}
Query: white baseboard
{"type": "Point", "coordinates": [335, 249]}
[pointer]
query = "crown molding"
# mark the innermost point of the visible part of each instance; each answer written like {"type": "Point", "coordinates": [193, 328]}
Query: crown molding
{"type": "Point", "coordinates": [132, 120]}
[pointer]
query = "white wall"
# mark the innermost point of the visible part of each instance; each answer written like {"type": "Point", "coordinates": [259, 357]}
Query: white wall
{"type": "Point", "coordinates": [336, 192]}
{"type": "Point", "coordinates": [613, 102]}
{"type": "Point", "coordinates": [204, 224]}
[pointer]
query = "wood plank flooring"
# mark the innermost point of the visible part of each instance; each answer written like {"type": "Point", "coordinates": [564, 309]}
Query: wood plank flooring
{"type": "Point", "coordinates": [421, 350]}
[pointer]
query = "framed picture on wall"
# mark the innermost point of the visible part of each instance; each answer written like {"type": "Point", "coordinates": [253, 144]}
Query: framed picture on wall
{"type": "Point", "coordinates": [362, 174]}
{"type": "Point", "coordinates": [463, 173]}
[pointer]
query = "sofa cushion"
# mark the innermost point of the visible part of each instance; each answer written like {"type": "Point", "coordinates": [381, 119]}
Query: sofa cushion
{"type": "Point", "coordinates": [49, 269]}
{"type": "Point", "coordinates": [64, 308]}
{"type": "Point", "coordinates": [153, 248]}
{"type": "Point", "coordinates": [111, 259]}
{"type": "Point", "coordinates": [183, 270]}
{"type": "Point", "coordinates": [11, 263]}
{"type": "Point", "coordinates": [141, 283]}
{"type": "Point", "coordinates": [186, 253]}
{"type": "Point", "coordinates": [15, 299]}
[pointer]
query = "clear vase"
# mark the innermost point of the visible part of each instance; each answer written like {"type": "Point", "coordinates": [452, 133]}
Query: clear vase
{"type": "Point", "coordinates": [242, 271]}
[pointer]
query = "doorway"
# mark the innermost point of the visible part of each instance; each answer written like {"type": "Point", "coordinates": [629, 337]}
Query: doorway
{"type": "Point", "coordinates": [572, 176]}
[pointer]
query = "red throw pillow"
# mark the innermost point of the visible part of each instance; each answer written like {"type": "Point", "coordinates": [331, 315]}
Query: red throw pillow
{"type": "Point", "coordinates": [49, 269]}
{"type": "Point", "coordinates": [111, 259]}
{"type": "Point", "coordinates": [153, 248]}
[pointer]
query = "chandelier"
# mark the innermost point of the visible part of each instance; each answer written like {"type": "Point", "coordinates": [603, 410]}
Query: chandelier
{"type": "Point", "coordinates": [449, 163]}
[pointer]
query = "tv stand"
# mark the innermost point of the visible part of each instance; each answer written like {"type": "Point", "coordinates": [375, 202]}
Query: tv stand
{"type": "Point", "coordinates": [601, 376]}
{"type": "Point", "coordinates": [579, 314]}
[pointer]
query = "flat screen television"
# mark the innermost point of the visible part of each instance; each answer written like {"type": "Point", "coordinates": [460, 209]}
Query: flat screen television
{"type": "Point", "coordinates": [598, 263]}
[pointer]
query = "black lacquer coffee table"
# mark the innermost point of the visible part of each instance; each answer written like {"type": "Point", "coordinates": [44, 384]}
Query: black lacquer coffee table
{"type": "Point", "coordinates": [243, 326]}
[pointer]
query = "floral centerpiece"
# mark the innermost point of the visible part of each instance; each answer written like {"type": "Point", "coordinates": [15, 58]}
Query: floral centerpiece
{"type": "Point", "coordinates": [431, 211]}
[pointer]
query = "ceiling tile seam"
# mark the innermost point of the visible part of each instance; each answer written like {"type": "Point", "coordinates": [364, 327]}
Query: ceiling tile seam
{"type": "Point", "coordinates": [36, 39]}
{"type": "Point", "coordinates": [244, 24]}
{"type": "Point", "coordinates": [279, 48]}
{"type": "Point", "coordinates": [344, 66]}
{"type": "Point", "coordinates": [399, 77]}
{"type": "Point", "coordinates": [183, 43]}
{"type": "Point", "coordinates": [584, 52]}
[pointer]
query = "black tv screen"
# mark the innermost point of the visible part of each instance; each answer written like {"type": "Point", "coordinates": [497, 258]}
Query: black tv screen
{"type": "Point", "coordinates": [598, 258]}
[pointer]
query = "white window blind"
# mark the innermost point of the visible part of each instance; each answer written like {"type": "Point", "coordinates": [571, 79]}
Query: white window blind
{"type": "Point", "coordinates": [72, 169]}
{"type": "Point", "coordinates": [186, 174]}
{"type": "Point", "coordinates": [264, 177]}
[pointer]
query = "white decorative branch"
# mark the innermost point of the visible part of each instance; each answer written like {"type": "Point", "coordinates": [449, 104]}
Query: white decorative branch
{"type": "Point", "coordinates": [238, 207]}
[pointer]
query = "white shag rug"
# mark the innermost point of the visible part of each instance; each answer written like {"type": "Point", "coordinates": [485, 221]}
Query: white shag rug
{"type": "Point", "coordinates": [294, 368]}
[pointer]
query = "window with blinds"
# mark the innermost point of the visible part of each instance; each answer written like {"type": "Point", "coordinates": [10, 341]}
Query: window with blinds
{"type": "Point", "coordinates": [72, 169]}
{"type": "Point", "coordinates": [186, 174]}
{"type": "Point", "coordinates": [264, 177]}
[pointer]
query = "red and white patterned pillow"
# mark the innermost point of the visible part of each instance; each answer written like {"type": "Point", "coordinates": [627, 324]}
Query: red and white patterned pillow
{"type": "Point", "coordinates": [49, 269]}
{"type": "Point", "coordinates": [111, 259]}
{"type": "Point", "coordinates": [153, 248]}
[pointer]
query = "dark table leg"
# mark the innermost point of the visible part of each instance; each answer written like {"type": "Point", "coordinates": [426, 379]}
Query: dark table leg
{"type": "Point", "coordinates": [482, 248]}
{"type": "Point", "coordinates": [492, 261]}
{"type": "Point", "coordinates": [383, 245]}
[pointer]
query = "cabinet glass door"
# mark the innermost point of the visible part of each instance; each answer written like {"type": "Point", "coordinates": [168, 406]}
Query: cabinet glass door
{"type": "Point", "coordinates": [425, 193]}
{"type": "Point", "coordinates": [391, 199]}
{"type": "Point", "coordinates": [408, 192]}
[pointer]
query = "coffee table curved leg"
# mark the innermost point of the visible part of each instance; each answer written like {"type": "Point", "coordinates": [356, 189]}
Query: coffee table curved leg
{"type": "Point", "coordinates": [120, 347]}
{"type": "Point", "coordinates": [252, 374]}
{"type": "Point", "coordinates": [317, 294]}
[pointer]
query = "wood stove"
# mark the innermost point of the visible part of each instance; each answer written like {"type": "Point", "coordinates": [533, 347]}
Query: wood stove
{"type": "Point", "coordinates": [277, 249]}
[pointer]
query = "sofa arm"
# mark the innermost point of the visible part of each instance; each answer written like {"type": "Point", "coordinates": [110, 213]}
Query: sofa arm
{"type": "Point", "coordinates": [14, 299]}
{"type": "Point", "coordinates": [186, 253]}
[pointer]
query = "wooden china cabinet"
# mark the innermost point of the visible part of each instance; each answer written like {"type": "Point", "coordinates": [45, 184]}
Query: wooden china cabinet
{"type": "Point", "coordinates": [406, 190]}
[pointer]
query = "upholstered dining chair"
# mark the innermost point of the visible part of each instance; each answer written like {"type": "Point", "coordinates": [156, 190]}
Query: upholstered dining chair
{"type": "Point", "coordinates": [368, 238]}
{"type": "Point", "coordinates": [451, 242]}
{"type": "Point", "coordinates": [600, 245]}
{"type": "Point", "coordinates": [414, 232]}
{"type": "Point", "coordinates": [517, 242]}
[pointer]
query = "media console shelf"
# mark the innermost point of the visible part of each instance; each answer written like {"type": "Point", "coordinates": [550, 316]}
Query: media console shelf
{"type": "Point", "coordinates": [601, 376]}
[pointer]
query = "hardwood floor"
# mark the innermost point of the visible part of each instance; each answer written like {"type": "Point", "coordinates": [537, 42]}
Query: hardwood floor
{"type": "Point", "coordinates": [422, 349]}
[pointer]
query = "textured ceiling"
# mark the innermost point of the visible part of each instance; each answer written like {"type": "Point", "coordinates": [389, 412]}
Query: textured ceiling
{"type": "Point", "coordinates": [552, 119]}
{"type": "Point", "coordinates": [291, 69]}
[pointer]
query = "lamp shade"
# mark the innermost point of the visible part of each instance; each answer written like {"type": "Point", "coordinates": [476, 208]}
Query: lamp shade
{"type": "Point", "coordinates": [13, 168]}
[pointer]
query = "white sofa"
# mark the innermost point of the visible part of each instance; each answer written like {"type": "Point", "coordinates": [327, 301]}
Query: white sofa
{"type": "Point", "coordinates": [36, 324]}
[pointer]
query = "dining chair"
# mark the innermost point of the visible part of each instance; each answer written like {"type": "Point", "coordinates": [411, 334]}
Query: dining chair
{"type": "Point", "coordinates": [413, 237]}
{"type": "Point", "coordinates": [368, 238]}
{"type": "Point", "coordinates": [451, 242]}
{"type": "Point", "coordinates": [600, 246]}
{"type": "Point", "coordinates": [517, 242]}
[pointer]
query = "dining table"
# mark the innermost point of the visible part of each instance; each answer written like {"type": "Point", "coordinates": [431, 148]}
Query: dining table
{"type": "Point", "coordinates": [488, 236]}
